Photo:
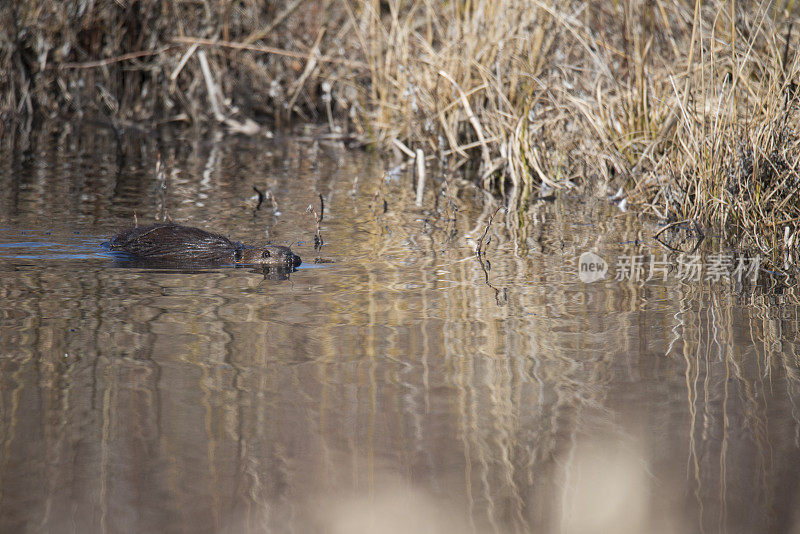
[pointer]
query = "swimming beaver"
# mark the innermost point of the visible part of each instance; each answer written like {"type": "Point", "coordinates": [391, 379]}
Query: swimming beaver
{"type": "Point", "coordinates": [176, 244]}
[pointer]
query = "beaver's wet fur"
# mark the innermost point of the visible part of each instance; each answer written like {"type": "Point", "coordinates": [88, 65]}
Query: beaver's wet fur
{"type": "Point", "coordinates": [174, 244]}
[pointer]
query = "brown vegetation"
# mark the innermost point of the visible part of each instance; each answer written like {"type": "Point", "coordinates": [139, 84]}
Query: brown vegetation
{"type": "Point", "coordinates": [690, 107]}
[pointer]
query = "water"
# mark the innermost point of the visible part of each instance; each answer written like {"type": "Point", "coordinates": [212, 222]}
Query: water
{"type": "Point", "coordinates": [396, 386]}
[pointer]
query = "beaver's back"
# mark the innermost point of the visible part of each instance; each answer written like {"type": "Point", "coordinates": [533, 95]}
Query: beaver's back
{"type": "Point", "coordinates": [175, 243]}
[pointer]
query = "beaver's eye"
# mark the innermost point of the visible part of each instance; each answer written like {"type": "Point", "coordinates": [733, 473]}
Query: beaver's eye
{"type": "Point", "coordinates": [266, 254]}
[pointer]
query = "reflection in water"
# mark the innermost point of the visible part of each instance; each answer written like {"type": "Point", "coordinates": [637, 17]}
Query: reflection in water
{"type": "Point", "coordinates": [389, 391]}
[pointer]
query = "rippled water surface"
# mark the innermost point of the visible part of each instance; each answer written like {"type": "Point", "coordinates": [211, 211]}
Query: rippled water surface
{"type": "Point", "coordinates": [393, 383]}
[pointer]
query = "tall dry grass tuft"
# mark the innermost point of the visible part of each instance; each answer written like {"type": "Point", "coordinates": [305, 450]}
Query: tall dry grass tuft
{"type": "Point", "coordinates": [452, 78]}
{"type": "Point", "coordinates": [731, 156]}
{"type": "Point", "coordinates": [529, 93]}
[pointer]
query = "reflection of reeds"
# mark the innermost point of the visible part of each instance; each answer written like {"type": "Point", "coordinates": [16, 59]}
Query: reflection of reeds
{"type": "Point", "coordinates": [10, 412]}
{"type": "Point", "coordinates": [729, 388]}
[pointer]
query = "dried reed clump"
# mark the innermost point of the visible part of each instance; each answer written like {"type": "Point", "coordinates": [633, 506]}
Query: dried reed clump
{"type": "Point", "coordinates": [730, 156]}
{"type": "Point", "coordinates": [531, 92]}
{"type": "Point", "coordinates": [472, 83]}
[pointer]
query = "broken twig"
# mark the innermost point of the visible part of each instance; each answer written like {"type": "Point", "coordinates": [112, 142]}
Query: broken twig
{"type": "Point", "coordinates": [420, 157]}
{"type": "Point", "coordinates": [318, 242]}
{"type": "Point", "coordinates": [478, 249]}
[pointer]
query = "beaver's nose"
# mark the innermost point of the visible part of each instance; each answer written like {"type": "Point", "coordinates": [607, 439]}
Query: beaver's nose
{"type": "Point", "coordinates": [294, 260]}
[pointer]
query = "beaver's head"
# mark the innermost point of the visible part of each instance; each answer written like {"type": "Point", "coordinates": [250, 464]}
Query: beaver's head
{"type": "Point", "coordinates": [273, 255]}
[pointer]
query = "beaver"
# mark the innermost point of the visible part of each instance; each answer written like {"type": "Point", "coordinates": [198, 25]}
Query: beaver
{"type": "Point", "coordinates": [169, 243]}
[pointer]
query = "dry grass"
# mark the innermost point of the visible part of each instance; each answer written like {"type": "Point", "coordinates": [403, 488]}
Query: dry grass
{"type": "Point", "coordinates": [690, 107]}
{"type": "Point", "coordinates": [732, 157]}
{"type": "Point", "coordinates": [135, 61]}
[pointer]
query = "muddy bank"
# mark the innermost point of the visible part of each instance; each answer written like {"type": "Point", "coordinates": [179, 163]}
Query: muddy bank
{"type": "Point", "coordinates": [150, 62]}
